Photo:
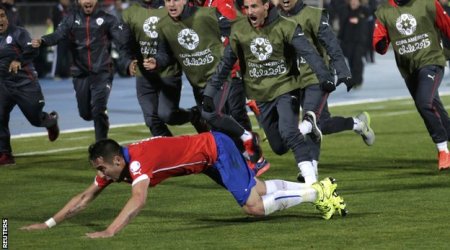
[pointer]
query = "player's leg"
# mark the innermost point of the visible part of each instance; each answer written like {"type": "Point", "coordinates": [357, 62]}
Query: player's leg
{"type": "Point", "coordinates": [424, 90]}
{"type": "Point", "coordinates": [147, 95]}
{"type": "Point", "coordinates": [169, 102]}
{"type": "Point", "coordinates": [7, 104]}
{"type": "Point", "coordinates": [31, 102]}
{"type": "Point", "coordinates": [101, 86]}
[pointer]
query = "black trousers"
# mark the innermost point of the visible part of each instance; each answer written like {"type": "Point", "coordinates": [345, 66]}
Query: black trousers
{"type": "Point", "coordinates": [92, 94]}
{"type": "Point", "coordinates": [30, 100]}
{"type": "Point", "coordinates": [159, 99]}
{"type": "Point", "coordinates": [423, 86]}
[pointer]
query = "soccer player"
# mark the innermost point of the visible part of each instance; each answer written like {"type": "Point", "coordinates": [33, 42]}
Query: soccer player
{"type": "Point", "coordinates": [314, 23]}
{"type": "Point", "coordinates": [90, 31]}
{"type": "Point", "coordinates": [268, 46]}
{"type": "Point", "coordinates": [158, 92]}
{"type": "Point", "coordinates": [414, 28]}
{"type": "Point", "coordinates": [145, 164]}
{"type": "Point", "coordinates": [19, 85]}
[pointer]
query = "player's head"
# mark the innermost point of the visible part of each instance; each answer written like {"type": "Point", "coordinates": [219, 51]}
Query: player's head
{"type": "Point", "coordinates": [3, 19]}
{"type": "Point", "coordinates": [87, 6]}
{"type": "Point", "coordinates": [256, 11]}
{"type": "Point", "coordinates": [287, 5]}
{"type": "Point", "coordinates": [175, 7]}
{"type": "Point", "coordinates": [106, 156]}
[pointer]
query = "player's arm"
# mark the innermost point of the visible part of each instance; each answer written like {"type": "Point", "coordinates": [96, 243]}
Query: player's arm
{"type": "Point", "coordinates": [78, 203]}
{"type": "Point", "coordinates": [304, 49]}
{"type": "Point", "coordinates": [120, 34]}
{"type": "Point", "coordinates": [61, 32]}
{"type": "Point", "coordinates": [442, 19]}
{"type": "Point", "coordinates": [380, 38]}
{"type": "Point", "coordinates": [129, 211]}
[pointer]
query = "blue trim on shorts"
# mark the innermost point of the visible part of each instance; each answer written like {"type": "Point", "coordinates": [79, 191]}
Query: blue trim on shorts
{"type": "Point", "coordinates": [237, 177]}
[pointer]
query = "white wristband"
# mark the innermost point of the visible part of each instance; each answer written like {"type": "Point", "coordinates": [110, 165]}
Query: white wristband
{"type": "Point", "coordinates": [50, 223]}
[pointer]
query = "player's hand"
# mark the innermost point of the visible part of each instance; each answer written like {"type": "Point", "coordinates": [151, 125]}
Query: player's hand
{"type": "Point", "coordinates": [37, 226]}
{"type": "Point", "coordinates": [208, 104]}
{"type": "Point", "coordinates": [36, 43]}
{"type": "Point", "coordinates": [101, 234]}
{"type": "Point", "coordinates": [347, 81]}
{"type": "Point", "coordinates": [327, 86]}
{"type": "Point", "coordinates": [14, 66]}
{"type": "Point", "coordinates": [150, 63]}
{"type": "Point", "coordinates": [132, 69]}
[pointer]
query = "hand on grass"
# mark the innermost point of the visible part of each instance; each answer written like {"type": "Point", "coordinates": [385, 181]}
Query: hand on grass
{"type": "Point", "coordinates": [37, 226]}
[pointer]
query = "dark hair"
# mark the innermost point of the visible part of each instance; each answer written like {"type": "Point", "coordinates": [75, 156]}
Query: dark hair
{"type": "Point", "coordinates": [3, 7]}
{"type": "Point", "coordinates": [106, 148]}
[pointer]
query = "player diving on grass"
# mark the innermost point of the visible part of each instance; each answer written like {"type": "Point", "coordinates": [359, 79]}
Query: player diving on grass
{"type": "Point", "coordinates": [145, 164]}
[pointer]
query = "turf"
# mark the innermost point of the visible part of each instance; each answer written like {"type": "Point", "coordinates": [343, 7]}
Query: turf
{"type": "Point", "coordinates": [396, 197]}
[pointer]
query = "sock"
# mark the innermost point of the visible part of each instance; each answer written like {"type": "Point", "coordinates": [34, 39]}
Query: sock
{"type": "Point", "coordinates": [273, 186]}
{"type": "Point", "coordinates": [281, 200]}
{"type": "Point", "coordinates": [442, 146]}
{"type": "Point", "coordinates": [316, 168]}
{"type": "Point", "coordinates": [357, 125]}
{"type": "Point", "coordinates": [305, 127]}
{"type": "Point", "coordinates": [307, 170]}
{"type": "Point", "coordinates": [246, 136]}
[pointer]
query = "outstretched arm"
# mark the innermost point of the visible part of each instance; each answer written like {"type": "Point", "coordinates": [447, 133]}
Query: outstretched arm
{"type": "Point", "coordinates": [129, 211]}
{"type": "Point", "coordinates": [73, 207]}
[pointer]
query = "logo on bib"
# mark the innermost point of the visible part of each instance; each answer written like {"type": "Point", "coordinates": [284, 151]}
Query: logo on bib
{"type": "Point", "coordinates": [149, 26]}
{"type": "Point", "coordinates": [188, 39]}
{"type": "Point", "coordinates": [406, 24]}
{"type": "Point", "coordinates": [261, 48]}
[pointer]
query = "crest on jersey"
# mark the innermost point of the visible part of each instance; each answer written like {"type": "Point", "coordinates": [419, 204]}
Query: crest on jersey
{"type": "Point", "coordinates": [8, 39]}
{"type": "Point", "coordinates": [261, 48]}
{"type": "Point", "coordinates": [149, 26]}
{"type": "Point", "coordinates": [135, 167]}
{"type": "Point", "coordinates": [406, 24]}
{"type": "Point", "coordinates": [188, 39]}
{"type": "Point", "coordinates": [99, 21]}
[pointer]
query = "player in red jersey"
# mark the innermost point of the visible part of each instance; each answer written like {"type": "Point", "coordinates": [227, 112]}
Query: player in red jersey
{"type": "Point", "coordinates": [146, 163]}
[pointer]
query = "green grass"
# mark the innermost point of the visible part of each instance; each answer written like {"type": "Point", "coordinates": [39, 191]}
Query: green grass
{"type": "Point", "coordinates": [396, 197]}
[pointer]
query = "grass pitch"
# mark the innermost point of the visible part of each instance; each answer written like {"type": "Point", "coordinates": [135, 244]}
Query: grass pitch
{"type": "Point", "coordinates": [396, 197]}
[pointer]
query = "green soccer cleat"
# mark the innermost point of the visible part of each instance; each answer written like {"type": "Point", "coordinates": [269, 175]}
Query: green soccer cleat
{"type": "Point", "coordinates": [339, 204]}
{"type": "Point", "coordinates": [367, 132]}
{"type": "Point", "coordinates": [325, 202]}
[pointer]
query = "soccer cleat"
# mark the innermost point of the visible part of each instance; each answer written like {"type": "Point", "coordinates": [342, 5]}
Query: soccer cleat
{"type": "Point", "coordinates": [366, 132]}
{"type": "Point", "coordinates": [444, 160]}
{"type": "Point", "coordinates": [325, 202]}
{"type": "Point", "coordinates": [339, 204]}
{"type": "Point", "coordinates": [53, 131]}
{"type": "Point", "coordinates": [315, 134]}
{"type": "Point", "coordinates": [260, 167]}
{"type": "Point", "coordinates": [197, 121]}
{"type": "Point", "coordinates": [6, 159]}
{"type": "Point", "coordinates": [253, 151]}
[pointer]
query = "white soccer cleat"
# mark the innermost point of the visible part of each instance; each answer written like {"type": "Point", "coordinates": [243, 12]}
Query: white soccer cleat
{"type": "Point", "coordinates": [366, 132]}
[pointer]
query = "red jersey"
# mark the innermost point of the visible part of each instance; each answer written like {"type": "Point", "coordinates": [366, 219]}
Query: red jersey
{"type": "Point", "coordinates": [159, 158]}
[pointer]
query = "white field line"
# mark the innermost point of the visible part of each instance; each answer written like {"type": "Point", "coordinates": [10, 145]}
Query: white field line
{"type": "Point", "coordinates": [52, 151]}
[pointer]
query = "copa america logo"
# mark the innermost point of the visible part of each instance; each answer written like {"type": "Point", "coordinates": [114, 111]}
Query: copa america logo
{"type": "Point", "coordinates": [406, 24]}
{"type": "Point", "coordinates": [261, 48]}
{"type": "Point", "coordinates": [188, 38]}
{"type": "Point", "coordinates": [149, 26]}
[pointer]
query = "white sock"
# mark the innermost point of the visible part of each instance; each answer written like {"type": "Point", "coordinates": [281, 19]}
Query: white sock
{"type": "Point", "coordinates": [278, 185]}
{"type": "Point", "coordinates": [246, 136]}
{"type": "Point", "coordinates": [442, 146]}
{"type": "Point", "coordinates": [316, 168]}
{"type": "Point", "coordinates": [357, 125]}
{"type": "Point", "coordinates": [307, 170]}
{"type": "Point", "coordinates": [281, 200]}
{"type": "Point", "coordinates": [305, 127]}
